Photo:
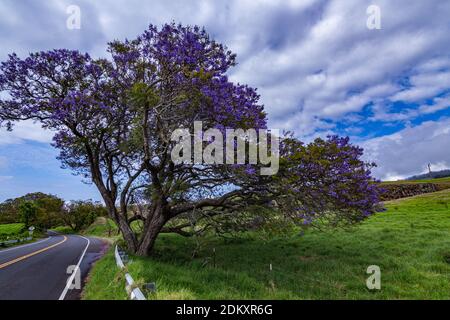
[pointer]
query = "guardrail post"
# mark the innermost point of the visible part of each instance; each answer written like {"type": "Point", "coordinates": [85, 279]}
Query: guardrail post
{"type": "Point", "coordinates": [136, 293]}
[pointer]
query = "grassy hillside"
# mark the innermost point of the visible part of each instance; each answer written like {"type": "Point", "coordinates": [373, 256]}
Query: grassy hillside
{"type": "Point", "coordinates": [11, 228]}
{"type": "Point", "coordinates": [410, 242]}
{"type": "Point", "coordinates": [102, 228]}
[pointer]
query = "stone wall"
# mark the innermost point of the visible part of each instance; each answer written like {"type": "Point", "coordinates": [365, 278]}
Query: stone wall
{"type": "Point", "coordinates": [397, 191]}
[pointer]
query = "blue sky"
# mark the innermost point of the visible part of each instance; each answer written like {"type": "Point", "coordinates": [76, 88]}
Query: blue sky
{"type": "Point", "coordinates": [317, 66]}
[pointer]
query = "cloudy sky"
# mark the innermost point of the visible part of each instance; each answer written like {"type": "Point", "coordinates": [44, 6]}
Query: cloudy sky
{"type": "Point", "coordinates": [318, 67]}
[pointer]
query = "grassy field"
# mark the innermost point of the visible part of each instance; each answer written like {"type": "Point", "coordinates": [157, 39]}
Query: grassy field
{"type": "Point", "coordinates": [410, 242]}
{"type": "Point", "coordinates": [15, 231]}
{"type": "Point", "coordinates": [11, 229]}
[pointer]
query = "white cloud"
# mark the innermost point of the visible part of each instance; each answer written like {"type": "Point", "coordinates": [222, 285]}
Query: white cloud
{"type": "Point", "coordinates": [339, 66]}
{"type": "Point", "coordinates": [309, 59]}
{"type": "Point", "coordinates": [25, 130]}
{"type": "Point", "coordinates": [315, 62]}
{"type": "Point", "coordinates": [382, 112]}
{"type": "Point", "coordinates": [409, 151]}
{"type": "Point", "coordinates": [438, 104]}
{"type": "Point", "coordinates": [424, 85]}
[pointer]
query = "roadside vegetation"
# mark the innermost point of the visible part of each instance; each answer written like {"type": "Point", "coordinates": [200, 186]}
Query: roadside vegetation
{"type": "Point", "coordinates": [410, 242]}
{"type": "Point", "coordinates": [11, 228]}
{"type": "Point", "coordinates": [43, 212]}
{"type": "Point", "coordinates": [13, 231]}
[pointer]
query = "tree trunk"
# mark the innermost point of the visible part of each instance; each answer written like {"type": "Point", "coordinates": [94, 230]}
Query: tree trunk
{"type": "Point", "coordinates": [152, 229]}
{"type": "Point", "coordinates": [128, 235]}
{"type": "Point", "coordinates": [119, 219]}
{"type": "Point", "coordinates": [125, 229]}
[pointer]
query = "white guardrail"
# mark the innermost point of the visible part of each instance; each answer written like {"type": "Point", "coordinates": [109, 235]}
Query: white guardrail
{"type": "Point", "coordinates": [135, 293]}
{"type": "Point", "coordinates": [15, 241]}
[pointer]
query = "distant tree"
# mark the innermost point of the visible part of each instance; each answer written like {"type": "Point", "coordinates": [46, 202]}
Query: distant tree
{"type": "Point", "coordinates": [114, 120]}
{"type": "Point", "coordinates": [28, 212]}
{"type": "Point", "coordinates": [8, 212]}
{"type": "Point", "coordinates": [47, 214]}
{"type": "Point", "coordinates": [49, 210]}
{"type": "Point", "coordinates": [80, 214]}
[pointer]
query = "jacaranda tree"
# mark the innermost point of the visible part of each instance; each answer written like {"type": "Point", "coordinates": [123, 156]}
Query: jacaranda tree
{"type": "Point", "coordinates": [113, 120]}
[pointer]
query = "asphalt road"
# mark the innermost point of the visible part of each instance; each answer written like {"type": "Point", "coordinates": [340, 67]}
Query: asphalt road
{"type": "Point", "coordinates": [38, 271]}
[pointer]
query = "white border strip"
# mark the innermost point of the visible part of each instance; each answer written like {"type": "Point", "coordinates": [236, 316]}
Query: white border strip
{"type": "Point", "coordinates": [75, 271]}
{"type": "Point", "coordinates": [119, 261]}
{"type": "Point", "coordinates": [136, 293]}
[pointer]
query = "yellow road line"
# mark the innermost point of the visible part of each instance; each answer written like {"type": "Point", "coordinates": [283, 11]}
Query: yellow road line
{"type": "Point", "coordinates": [4, 265]}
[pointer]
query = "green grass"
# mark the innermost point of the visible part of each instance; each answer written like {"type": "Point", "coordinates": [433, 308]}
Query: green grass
{"type": "Point", "coordinates": [410, 242]}
{"type": "Point", "coordinates": [11, 228]}
{"type": "Point", "coordinates": [105, 281]}
{"type": "Point", "coordinates": [63, 230]}
{"type": "Point", "coordinates": [102, 228]}
{"type": "Point", "coordinates": [16, 231]}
